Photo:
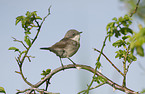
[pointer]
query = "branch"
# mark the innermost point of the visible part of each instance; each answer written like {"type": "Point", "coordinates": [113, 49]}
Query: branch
{"type": "Point", "coordinates": [124, 67]}
{"type": "Point", "coordinates": [90, 69]}
{"type": "Point", "coordinates": [135, 10]}
{"type": "Point", "coordinates": [92, 88]}
{"type": "Point", "coordinates": [25, 79]}
{"type": "Point", "coordinates": [25, 55]}
{"type": "Point", "coordinates": [128, 66]}
{"type": "Point", "coordinates": [46, 16]}
{"type": "Point", "coordinates": [110, 62]}
{"type": "Point", "coordinates": [41, 25]}
{"type": "Point", "coordinates": [98, 59]}
{"type": "Point", "coordinates": [20, 42]}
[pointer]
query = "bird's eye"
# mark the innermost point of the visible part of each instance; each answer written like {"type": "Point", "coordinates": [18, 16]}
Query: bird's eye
{"type": "Point", "coordinates": [73, 34]}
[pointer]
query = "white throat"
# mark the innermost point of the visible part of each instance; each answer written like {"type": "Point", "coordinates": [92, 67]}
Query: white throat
{"type": "Point", "coordinates": [76, 38]}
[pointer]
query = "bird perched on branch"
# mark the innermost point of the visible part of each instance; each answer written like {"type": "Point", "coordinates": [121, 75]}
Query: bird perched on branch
{"type": "Point", "coordinates": [67, 46]}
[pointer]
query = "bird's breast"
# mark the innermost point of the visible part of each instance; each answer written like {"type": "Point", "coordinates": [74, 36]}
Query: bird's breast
{"type": "Point", "coordinates": [72, 48]}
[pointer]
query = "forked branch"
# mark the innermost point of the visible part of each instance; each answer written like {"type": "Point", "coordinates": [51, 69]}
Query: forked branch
{"type": "Point", "coordinates": [90, 69]}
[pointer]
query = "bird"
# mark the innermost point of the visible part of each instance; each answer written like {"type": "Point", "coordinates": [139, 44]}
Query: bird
{"type": "Point", "coordinates": [67, 46]}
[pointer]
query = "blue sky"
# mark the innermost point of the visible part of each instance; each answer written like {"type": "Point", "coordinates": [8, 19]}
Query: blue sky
{"type": "Point", "coordinates": [88, 16]}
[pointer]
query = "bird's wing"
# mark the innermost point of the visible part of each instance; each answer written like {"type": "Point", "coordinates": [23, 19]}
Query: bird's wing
{"type": "Point", "coordinates": [61, 44]}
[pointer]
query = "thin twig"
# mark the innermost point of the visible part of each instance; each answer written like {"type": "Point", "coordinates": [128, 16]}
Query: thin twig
{"type": "Point", "coordinates": [72, 61]}
{"type": "Point", "coordinates": [36, 21]}
{"type": "Point", "coordinates": [20, 42]}
{"type": "Point", "coordinates": [47, 83]}
{"type": "Point", "coordinates": [128, 66]}
{"type": "Point", "coordinates": [24, 78]}
{"type": "Point", "coordinates": [110, 62]}
{"type": "Point", "coordinates": [124, 67]}
{"type": "Point", "coordinates": [28, 58]}
{"type": "Point", "coordinates": [91, 88]}
{"type": "Point", "coordinates": [17, 60]}
{"type": "Point", "coordinates": [135, 10]}
{"type": "Point", "coordinates": [98, 59]}
{"type": "Point", "coordinates": [46, 16]}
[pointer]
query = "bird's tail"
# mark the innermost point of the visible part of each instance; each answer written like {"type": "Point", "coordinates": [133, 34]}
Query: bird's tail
{"type": "Point", "coordinates": [45, 48]}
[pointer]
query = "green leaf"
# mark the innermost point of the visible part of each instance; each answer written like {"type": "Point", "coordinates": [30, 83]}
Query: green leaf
{"type": "Point", "coordinates": [98, 79]}
{"type": "Point", "coordinates": [48, 71]}
{"type": "Point", "coordinates": [18, 19]}
{"type": "Point", "coordinates": [137, 41]}
{"type": "Point", "coordinates": [37, 17]}
{"type": "Point", "coordinates": [102, 79]}
{"type": "Point", "coordinates": [117, 33]}
{"type": "Point", "coordinates": [127, 17]}
{"type": "Point", "coordinates": [129, 22]}
{"type": "Point", "coordinates": [27, 40]}
{"type": "Point", "coordinates": [119, 43]}
{"type": "Point", "coordinates": [110, 25]}
{"type": "Point", "coordinates": [98, 64]}
{"type": "Point", "coordinates": [124, 23]}
{"type": "Point", "coordinates": [125, 31]}
{"type": "Point", "coordinates": [28, 14]}
{"type": "Point", "coordinates": [120, 54]}
{"type": "Point", "coordinates": [42, 78]}
{"type": "Point", "coordinates": [120, 19]}
{"type": "Point", "coordinates": [125, 37]}
{"type": "Point", "coordinates": [143, 91]}
{"type": "Point", "coordinates": [140, 50]}
{"type": "Point", "coordinates": [34, 13]}
{"type": "Point", "coordinates": [117, 22]}
{"type": "Point", "coordinates": [23, 23]}
{"type": "Point", "coordinates": [115, 19]}
{"type": "Point", "coordinates": [13, 48]}
{"type": "Point", "coordinates": [2, 90]}
{"type": "Point", "coordinates": [44, 73]}
{"type": "Point", "coordinates": [24, 51]}
{"type": "Point", "coordinates": [130, 58]}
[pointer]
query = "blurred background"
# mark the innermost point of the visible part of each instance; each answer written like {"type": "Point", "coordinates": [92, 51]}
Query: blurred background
{"type": "Point", "coordinates": [88, 16]}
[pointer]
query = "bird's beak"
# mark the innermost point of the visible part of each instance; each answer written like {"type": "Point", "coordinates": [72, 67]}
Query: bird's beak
{"type": "Point", "coordinates": [80, 32]}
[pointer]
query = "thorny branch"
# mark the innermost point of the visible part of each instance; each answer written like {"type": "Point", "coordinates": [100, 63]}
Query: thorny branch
{"type": "Point", "coordinates": [87, 68]}
{"type": "Point", "coordinates": [28, 48]}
